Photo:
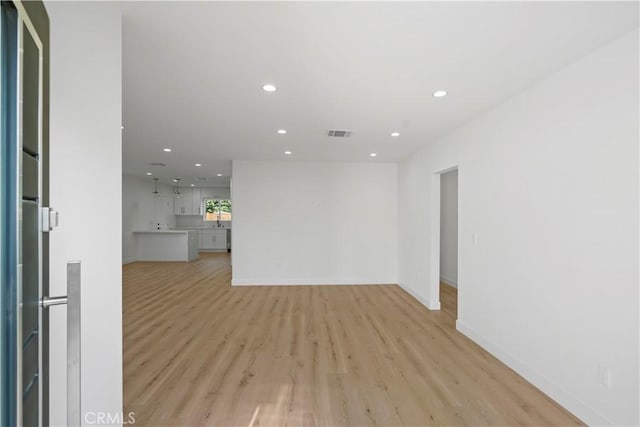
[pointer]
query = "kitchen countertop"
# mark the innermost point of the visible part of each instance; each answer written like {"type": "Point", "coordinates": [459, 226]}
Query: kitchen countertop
{"type": "Point", "coordinates": [163, 231]}
{"type": "Point", "coordinates": [200, 228]}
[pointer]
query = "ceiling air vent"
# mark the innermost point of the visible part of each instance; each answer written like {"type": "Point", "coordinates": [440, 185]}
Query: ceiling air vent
{"type": "Point", "coordinates": [340, 133]}
{"type": "Point", "coordinates": [157, 164]}
{"type": "Point", "coordinates": [201, 179]}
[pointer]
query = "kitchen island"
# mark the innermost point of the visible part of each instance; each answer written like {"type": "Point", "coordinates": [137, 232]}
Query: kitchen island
{"type": "Point", "coordinates": [167, 245]}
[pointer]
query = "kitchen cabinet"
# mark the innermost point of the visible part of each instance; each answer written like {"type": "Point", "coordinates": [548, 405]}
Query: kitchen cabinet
{"type": "Point", "coordinates": [196, 201]}
{"type": "Point", "coordinates": [213, 239]}
{"type": "Point", "coordinates": [188, 202]}
{"type": "Point", "coordinates": [182, 204]}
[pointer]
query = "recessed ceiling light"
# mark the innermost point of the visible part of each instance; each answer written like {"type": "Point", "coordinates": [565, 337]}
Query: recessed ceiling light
{"type": "Point", "coordinates": [219, 174]}
{"type": "Point", "coordinates": [282, 131]}
{"type": "Point", "coordinates": [269, 88]}
{"type": "Point", "coordinates": [395, 133]}
{"type": "Point", "coordinates": [197, 165]}
{"type": "Point", "coordinates": [288, 153]}
{"type": "Point", "coordinates": [121, 127]}
{"type": "Point", "coordinates": [166, 150]}
{"type": "Point", "coordinates": [149, 174]}
{"type": "Point", "coordinates": [193, 185]}
{"type": "Point", "coordinates": [175, 180]}
{"type": "Point", "coordinates": [373, 155]}
{"type": "Point", "coordinates": [440, 93]}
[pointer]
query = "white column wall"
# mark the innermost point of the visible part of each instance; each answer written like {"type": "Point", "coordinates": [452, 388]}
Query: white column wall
{"type": "Point", "coordinates": [86, 176]}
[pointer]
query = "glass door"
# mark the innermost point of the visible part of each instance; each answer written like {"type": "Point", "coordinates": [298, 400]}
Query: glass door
{"type": "Point", "coordinates": [22, 249]}
{"type": "Point", "coordinates": [8, 211]}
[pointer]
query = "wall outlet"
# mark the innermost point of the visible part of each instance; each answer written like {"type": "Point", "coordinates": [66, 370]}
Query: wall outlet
{"type": "Point", "coordinates": [604, 376]}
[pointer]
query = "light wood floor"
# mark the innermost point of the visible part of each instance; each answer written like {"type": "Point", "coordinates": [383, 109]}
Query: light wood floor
{"type": "Point", "coordinates": [449, 301]}
{"type": "Point", "coordinates": [199, 352]}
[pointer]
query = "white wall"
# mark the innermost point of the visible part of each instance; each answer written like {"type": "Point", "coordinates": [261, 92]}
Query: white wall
{"type": "Point", "coordinates": [141, 210]}
{"type": "Point", "coordinates": [314, 223]}
{"type": "Point", "coordinates": [449, 228]}
{"type": "Point", "coordinates": [549, 183]}
{"type": "Point", "coordinates": [86, 100]}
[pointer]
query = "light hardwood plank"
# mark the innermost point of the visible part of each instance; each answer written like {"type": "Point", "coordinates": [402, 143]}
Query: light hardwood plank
{"type": "Point", "coordinates": [198, 352]}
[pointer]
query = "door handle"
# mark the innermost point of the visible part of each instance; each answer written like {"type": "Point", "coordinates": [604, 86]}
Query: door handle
{"type": "Point", "coordinates": [72, 300]}
{"type": "Point", "coordinates": [48, 302]}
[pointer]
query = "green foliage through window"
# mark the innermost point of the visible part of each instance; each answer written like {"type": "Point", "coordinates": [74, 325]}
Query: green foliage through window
{"type": "Point", "coordinates": [217, 209]}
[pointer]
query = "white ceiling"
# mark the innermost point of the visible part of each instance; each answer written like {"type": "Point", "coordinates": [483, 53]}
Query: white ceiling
{"type": "Point", "coordinates": [192, 74]}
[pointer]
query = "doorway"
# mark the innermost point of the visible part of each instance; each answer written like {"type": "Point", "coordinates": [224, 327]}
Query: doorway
{"type": "Point", "coordinates": [448, 280]}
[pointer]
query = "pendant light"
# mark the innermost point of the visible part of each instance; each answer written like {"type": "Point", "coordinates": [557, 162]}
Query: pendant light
{"type": "Point", "coordinates": [177, 191]}
{"type": "Point", "coordinates": [155, 186]}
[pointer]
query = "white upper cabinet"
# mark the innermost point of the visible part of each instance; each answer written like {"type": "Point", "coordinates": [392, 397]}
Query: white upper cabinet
{"type": "Point", "coordinates": [182, 204]}
{"type": "Point", "coordinates": [196, 202]}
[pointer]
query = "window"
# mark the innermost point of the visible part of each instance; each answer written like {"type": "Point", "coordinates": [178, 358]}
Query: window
{"type": "Point", "coordinates": [217, 210]}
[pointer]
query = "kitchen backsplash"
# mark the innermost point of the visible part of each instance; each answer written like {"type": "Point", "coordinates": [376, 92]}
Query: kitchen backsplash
{"type": "Point", "coordinates": [196, 221]}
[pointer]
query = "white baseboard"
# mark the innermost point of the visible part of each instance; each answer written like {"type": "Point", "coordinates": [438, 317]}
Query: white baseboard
{"type": "Point", "coordinates": [307, 282]}
{"type": "Point", "coordinates": [430, 305]}
{"type": "Point", "coordinates": [551, 389]}
{"type": "Point", "coordinates": [450, 282]}
{"type": "Point", "coordinates": [128, 260]}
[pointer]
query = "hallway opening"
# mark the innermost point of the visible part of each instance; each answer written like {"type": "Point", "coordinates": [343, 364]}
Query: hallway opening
{"type": "Point", "coordinates": [449, 240]}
